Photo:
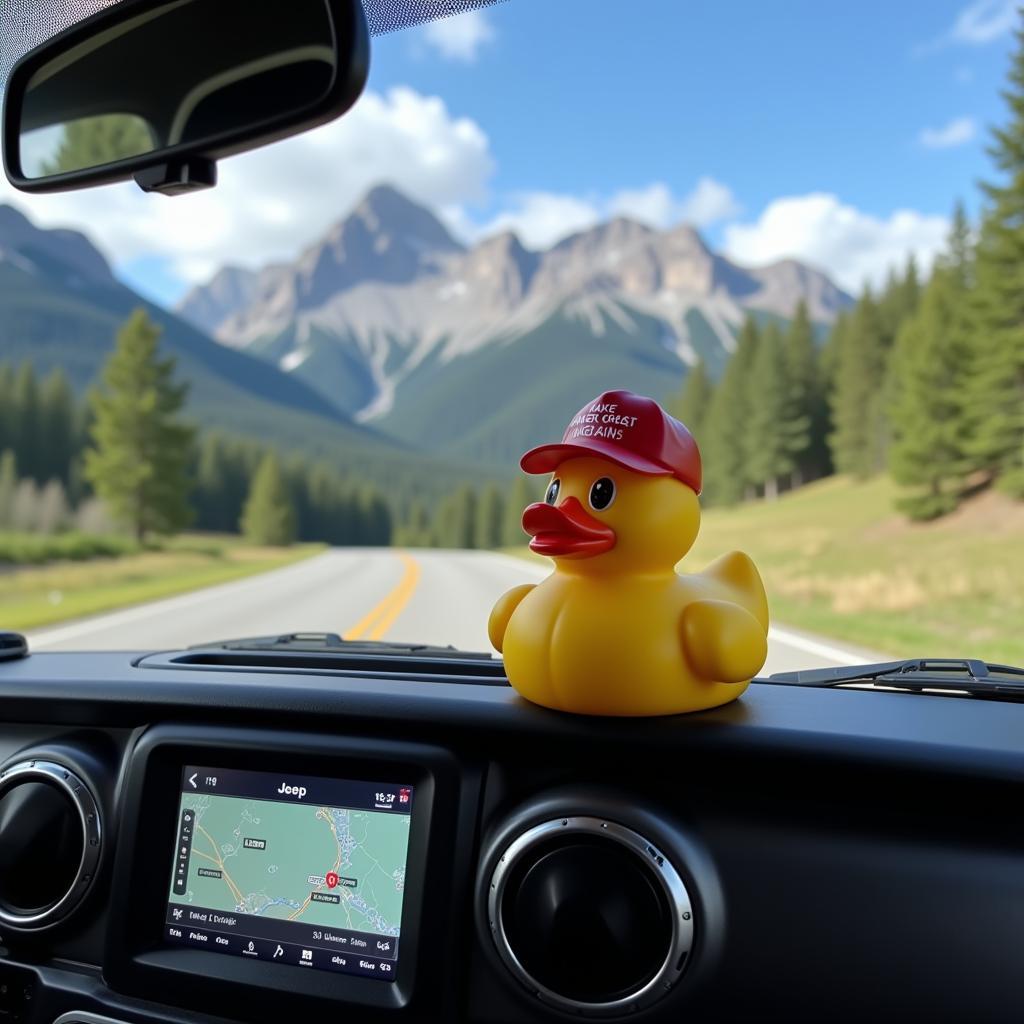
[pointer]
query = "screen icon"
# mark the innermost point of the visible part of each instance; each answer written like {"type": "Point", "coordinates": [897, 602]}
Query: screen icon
{"type": "Point", "coordinates": [177, 913]}
{"type": "Point", "coordinates": [403, 796]}
{"type": "Point", "coordinates": [307, 955]}
{"type": "Point", "coordinates": [192, 780]}
{"type": "Point", "coordinates": [277, 952]}
{"type": "Point", "coordinates": [332, 879]}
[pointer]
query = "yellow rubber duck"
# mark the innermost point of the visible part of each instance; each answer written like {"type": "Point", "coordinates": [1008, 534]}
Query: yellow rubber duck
{"type": "Point", "coordinates": [615, 630]}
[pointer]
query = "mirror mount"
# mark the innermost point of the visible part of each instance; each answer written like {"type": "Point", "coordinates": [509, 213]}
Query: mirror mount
{"type": "Point", "coordinates": [178, 177]}
{"type": "Point", "coordinates": [160, 90]}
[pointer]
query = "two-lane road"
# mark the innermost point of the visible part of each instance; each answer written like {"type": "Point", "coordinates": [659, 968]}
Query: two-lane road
{"type": "Point", "coordinates": [430, 596]}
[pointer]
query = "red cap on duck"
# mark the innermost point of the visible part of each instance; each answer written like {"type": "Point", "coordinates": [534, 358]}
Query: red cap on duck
{"type": "Point", "coordinates": [627, 429]}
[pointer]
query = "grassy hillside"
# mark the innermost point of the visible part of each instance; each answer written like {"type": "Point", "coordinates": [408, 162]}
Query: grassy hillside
{"type": "Point", "coordinates": [73, 325]}
{"type": "Point", "coordinates": [836, 559]}
{"type": "Point", "coordinates": [496, 402]}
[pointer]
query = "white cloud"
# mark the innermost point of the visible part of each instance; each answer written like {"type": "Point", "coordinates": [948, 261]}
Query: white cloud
{"type": "Point", "coordinates": [983, 21]}
{"type": "Point", "coordinates": [852, 246]}
{"type": "Point", "coordinates": [460, 37]}
{"type": "Point", "coordinates": [542, 218]}
{"type": "Point", "coordinates": [272, 201]}
{"type": "Point", "coordinates": [654, 204]}
{"type": "Point", "coordinates": [980, 22]}
{"type": "Point", "coordinates": [955, 133]}
{"type": "Point", "coordinates": [709, 201]}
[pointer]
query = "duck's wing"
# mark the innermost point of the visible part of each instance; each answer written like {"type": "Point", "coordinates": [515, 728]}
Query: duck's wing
{"type": "Point", "coordinates": [737, 576]}
{"type": "Point", "coordinates": [502, 612]}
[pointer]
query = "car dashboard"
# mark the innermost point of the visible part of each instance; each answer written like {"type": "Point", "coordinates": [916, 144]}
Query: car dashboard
{"type": "Point", "coordinates": [414, 842]}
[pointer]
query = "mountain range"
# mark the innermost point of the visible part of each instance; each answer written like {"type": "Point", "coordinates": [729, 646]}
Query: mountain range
{"type": "Point", "coordinates": [387, 340]}
{"type": "Point", "coordinates": [478, 351]}
{"type": "Point", "coordinates": [61, 306]}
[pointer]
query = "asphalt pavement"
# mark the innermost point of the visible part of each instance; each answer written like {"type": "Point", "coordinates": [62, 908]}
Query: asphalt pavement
{"type": "Point", "coordinates": [429, 596]}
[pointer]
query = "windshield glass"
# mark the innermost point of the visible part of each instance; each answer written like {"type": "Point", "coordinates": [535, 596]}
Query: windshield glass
{"type": "Point", "coordinates": [298, 401]}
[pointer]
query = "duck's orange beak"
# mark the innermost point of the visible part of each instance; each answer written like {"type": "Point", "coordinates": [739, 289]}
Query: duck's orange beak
{"type": "Point", "coordinates": [566, 531]}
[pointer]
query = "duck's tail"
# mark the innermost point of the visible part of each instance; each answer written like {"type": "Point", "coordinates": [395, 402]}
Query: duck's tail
{"type": "Point", "coordinates": [738, 577]}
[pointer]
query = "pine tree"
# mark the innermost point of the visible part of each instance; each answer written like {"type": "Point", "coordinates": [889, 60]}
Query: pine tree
{"type": "Point", "coordinates": [242, 459]}
{"type": "Point", "coordinates": [27, 445]}
{"type": "Point", "coordinates": [777, 428]}
{"type": "Point", "coordinates": [78, 486]}
{"type": "Point", "coordinates": [995, 388]}
{"type": "Point", "coordinates": [859, 432]}
{"type": "Point", "coordinates": [213, 508]}
{"type": "Point", "coordinates": [520, 495]}
{"type": "Point", "coordinates": [464, 519]}
{"type": "Point", "coordinates": [960, 257]}
{"type": "Point", "coordinates": [806, 398]}
{"type": "Point", "coordinates": [724, 445]}
{"type": "Point", "coordinates": [899, 300]}
{"type": "Point", "coordinates": [269, 514]}
{"type": "Point", "coordinates": [57, 427]}
{"type": "Point", "coordinates": [8, 412]}
{"type": "Point", "coordinates": [8, 485]}
{"type": "Point", "coordinates": [455, 522]}
{"type": "Point", "coordinates": [97, 140]}
{"type": "Point", "coordinates": [489, 518]}
{"type": "Point", "coordinates": [322, 501]}
{"type": "Point", "coordinates": [415, 532]}
{"type": "Point", "coordinates": [376, 518]}
{"type": "Point", "coordinates": [140, 452]}
{"type": "Point", "coordinates": [926, 374]}
{"type": "Point", "coordinates": [690, 407]}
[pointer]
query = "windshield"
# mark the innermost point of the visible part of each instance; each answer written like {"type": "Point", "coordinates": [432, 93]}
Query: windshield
{"type": "Point", "coordinates": [298, 401]}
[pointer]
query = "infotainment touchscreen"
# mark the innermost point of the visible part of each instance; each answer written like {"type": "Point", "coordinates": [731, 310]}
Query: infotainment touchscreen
{"type": "Point", "coordinates": [290, 869]}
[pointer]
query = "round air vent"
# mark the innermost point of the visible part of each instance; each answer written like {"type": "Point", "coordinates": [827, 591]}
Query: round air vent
{"type": "Point", "coordinates": [590, 916]}
{"type": "Point", "coordinates": [49, 843]}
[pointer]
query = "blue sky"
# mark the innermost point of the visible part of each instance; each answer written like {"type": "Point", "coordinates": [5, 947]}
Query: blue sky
{"type": "Point", "coordinates": [770, 98]}
{"type": "Point", "coordinates": [834, 132]}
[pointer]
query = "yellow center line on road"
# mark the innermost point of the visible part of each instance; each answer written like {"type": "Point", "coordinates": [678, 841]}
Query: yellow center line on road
{"type": "Point", "coordinates": [380, 618]}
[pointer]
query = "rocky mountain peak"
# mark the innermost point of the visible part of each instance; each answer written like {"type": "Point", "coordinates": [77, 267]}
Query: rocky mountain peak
{"type": "Point", "coordinates": [391, 266]}
{"type": "Point", "coordinates": [386, 211]}
{"type": "Point", "coordinates": [502, 267]}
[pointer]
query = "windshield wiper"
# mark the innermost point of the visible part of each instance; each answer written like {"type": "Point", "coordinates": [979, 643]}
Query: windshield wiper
{"type": "Point", "coordinates": [328, 643]}
{"type": "Point", "coordinates": [947, 676]}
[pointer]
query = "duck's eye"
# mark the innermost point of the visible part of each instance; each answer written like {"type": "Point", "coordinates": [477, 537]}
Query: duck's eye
{"type": "Point", "coordinates": [552, 495]}
{"type": "Point", "coordinates": [602, 494]}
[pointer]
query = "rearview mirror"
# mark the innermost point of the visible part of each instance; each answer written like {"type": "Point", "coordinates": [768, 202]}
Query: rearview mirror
{"type": "Point", "coordinates": [159, 90]}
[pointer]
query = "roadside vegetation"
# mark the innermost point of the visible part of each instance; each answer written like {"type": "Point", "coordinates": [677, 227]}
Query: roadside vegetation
{"type": "Point", "coordinates": [837, 560]}
{"type": "Point", "coordinates": [37, 596]}
{"type": "Point", "coordinates": [104, 474]}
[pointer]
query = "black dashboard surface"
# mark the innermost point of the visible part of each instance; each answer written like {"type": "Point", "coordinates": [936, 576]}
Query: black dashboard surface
{"type": "Point", "coordinates": [851, 855]}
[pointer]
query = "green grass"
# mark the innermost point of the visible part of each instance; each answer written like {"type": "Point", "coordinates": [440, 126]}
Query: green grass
{"type": "Point", "coordinates": [37, 548]}
{"type": "Point", "coordinates": [34, 597]}
{"type": "Point", "coordinates": [839, 561]}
